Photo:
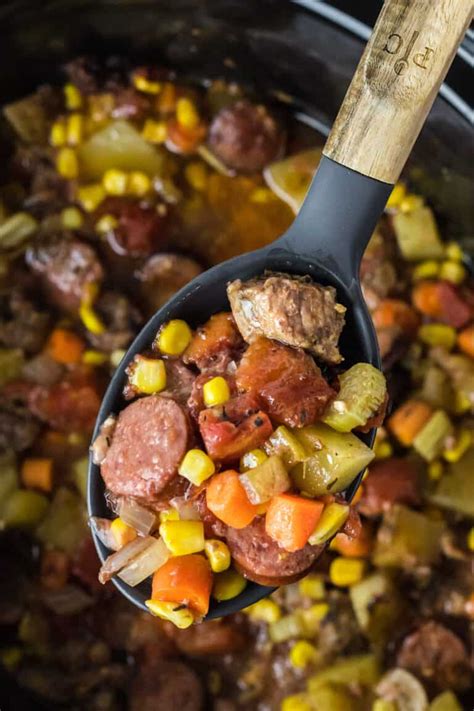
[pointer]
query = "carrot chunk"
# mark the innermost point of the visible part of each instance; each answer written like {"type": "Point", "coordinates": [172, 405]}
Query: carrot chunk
{"type": "Point", "coordinates": [65, 346]}
{"type": "Point", "coordinates": [290, 520]}
{"type": "Point", "coordinates": [185, 580]}
{"type": "Point", "coordinates": [466, 341]}
{"type": "Point", "coordinates": [408, 420]}
{"type": "Point", "coordinates": [226, 498]}
{"type": "Point", "coordinates": [37, 474]}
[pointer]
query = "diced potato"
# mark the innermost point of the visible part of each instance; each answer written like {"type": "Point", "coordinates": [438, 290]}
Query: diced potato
{"type": "Point", "coordinates": [23, 509]}
{"type": "Point", "coordinates": [407, 539]}
{"type": "Point", "coordinates": [417, 234]}
{"type": "Point", "coordinates": [64, 525]}
{"type": "Point", "coordinates": [336, 460]}
{"type": "Point", "coordinates": [446, 701]}
{"type": "Point", "coordinates": [455, 489]}
{"type": "Point", "coordinates": [265, 481]}
{"type": "Point", "coordinates": [376, 606]}
{"type": "Point", "coordinates": [361, 669]}
{"type": "Point", "coordinates": [363, 391]}
{"type": "Point", "coordinates": [290, 178]}
{"type": "Point", "coordinates": [430, 441]}
{"type": "Point", "coordinates": [335, 697]}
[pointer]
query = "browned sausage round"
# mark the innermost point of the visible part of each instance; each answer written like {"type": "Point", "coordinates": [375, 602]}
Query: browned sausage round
{"type": "Point", "coordinates": [262, 560]}
{"type": "Point", "coordinates": [141, 229]}
{"type": "Point", "coordinates": [214, 637]}
{"type": "Point", "coordinates": [149, 442]}
{"type": "Point", "coordinates": [246, 137]}
{"type": "Point", "coordinates": [166, 686]}
{"type": "Point", "coordinates": [163, 275]}
{"type": "Point", "coordinates": [390, 481]}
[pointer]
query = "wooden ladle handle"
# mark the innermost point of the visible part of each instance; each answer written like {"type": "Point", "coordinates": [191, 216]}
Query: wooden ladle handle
{"type": "Point", "coordinates": [406, 59]}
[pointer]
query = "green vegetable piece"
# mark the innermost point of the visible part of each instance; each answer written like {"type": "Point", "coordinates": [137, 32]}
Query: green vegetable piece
{"type": "Point", "coordinates": [436, 390]}
{"type": "Point", "coordinates": [287, 627]}
{"type": "Point", "coordinates": [284, 443]}
{"type": "Point", "coordinates": [377, 607]}
{"type": "Point", "coordinates": [459, 368]}
{"type": "Point", "coordinates": [290, 178]}
{"type": "Point", "coordinates": [417, 234]}
{"type": "Point", "coordinates": [8, 478]}
{"type": "Point", "coordinates": [362, 393]}
{"type": "Point", "coordinates": [363, 669]}
{"type": "Point", "coordinates": [429, 442]}
{"type": "Point", "coordinates": [79, 475]}
{"type": "Point", "coordinates": [446, 701]}
{"type": "Point", "coordinates": [455, 489]}
{"type": "Point", "coordinates": [16, 230]}
{"type": "Point", "coordinates": [11, 363]}
{"type": "Point", "coordinates": [266, 481]}
{"type": "Point", "coordinates": [119, 146]}
{"type": "Point", "coordinates": [29, 118]}
{"type": "Point", "coordinates": [334, 697]}
{"type": "Point", "coordinates": [333, 517]}
{"type": "Point", "coordinates": [336, 459]}
{"type": "Point", "coordinates": [64, 526]}
{"type": "Point", "coordinates": [24, 509]}
{"type": "Point", "coordinates": [407, 539]}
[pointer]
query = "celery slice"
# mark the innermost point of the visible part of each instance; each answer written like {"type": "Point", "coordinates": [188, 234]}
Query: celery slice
{"type": "Point", "coordinates": [455, 489]}
{"type": "Point", "coordinates": [287, 446]}
{"type": "Point", "coordinates": [363, 390]}
{"type": "Point", "coordinates": [361, 669]}
{"type": "Point", "coordinates": [429, 442]}
{"type": "Point", "coordinates": [417, 234]}
{"type": "Point", "coordinates": [265, 481]}
{"type": "Point", "coordinates": [24, 509]}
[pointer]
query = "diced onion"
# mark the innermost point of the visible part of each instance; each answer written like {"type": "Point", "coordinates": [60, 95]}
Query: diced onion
{"type": "Point", "coordinates": [187, 510]}
{"type": "Point", "coordinates": [119, 560]}
{"type": "Point", "coordinates": [145, 563]}
{"type": "Point", "coordinates": [136, 516]}
{"type": "Point", "coordinates": [69, 600]}
{"type": "Point", "coordinates": [101, 527]}
{"type": "Point", "coordinates": [102, 442]}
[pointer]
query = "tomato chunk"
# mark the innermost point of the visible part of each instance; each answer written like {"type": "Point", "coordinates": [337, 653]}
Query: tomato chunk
{"type": "Point", "coordinates": [215, 343]}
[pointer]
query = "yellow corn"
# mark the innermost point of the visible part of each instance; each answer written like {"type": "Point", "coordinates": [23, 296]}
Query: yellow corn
{"type": "Point", "coordinates": [428, 269]}
{"type": "Point", "coordinates": [180, 616]}
{"type": "Point", "coordinates": [313, 615]}
{"type": "Point", "coordinates": [252, 459]}
{"type": "Point", "coordinates": [174, 337]}
{"type": "Point", "coordinates": [462, 444]}
{"type": "Point", "coordinates": [148, 375]}
{"type": "Point", "coordinates": [346, 571]}
{"type": "Point", "coordinates": [384, 705]}
{"type": "Point", "coordinates": [72, 97]}
{"type": "Point", "coordinates": [146, 85]}
{"type": "Point", "coordinates": [91, 320]}
{"type": "Point", "coordinates": [411, 202]}
{"type": "Point", "coordinates": [453, 272]}
{"type": "Point", "coordinates": [169, 515]}
{"type": "Point", "coordinates": [218, 555]}
{"type": "Point", "coordinates": [462, 403]}
{"type": "Point", "coordinates": [107, 223]}
{"type": "Point", "coordinates": [155, 131]}
{"type": "Point", "coordinates": [437, 334]}
{"type": "Point", "coordinates": [115, 182]}
{"type": "Point", "coordinates": [91, 357]}
{"type": "Point", "coordinates": [383, 450]}
{"type": "Point", "coordinates": [435, 470]}
{"type": "Point", "coordinates": [296, 702]}
{"type": "Point", "coordinates": [183, 537]}
{"type": "Point", "coordinates": [265, 610]}
{"type": "Point", "coordinates": [57, 135]}
{"type": "Point", "coordinates": [77, 439]}
{"type": "Point", "coordinates": [138, 183]}
{"type": "Point", "coordinates": [227, 585]}
{"type": "Point", "coordinates": [71, 218]}
{"type": "Point", "coordinates": [186, 113]}
{"type": "Point", "coordinates": [303, 653]}
{"type": "Point", "coordinates": [196, 466]}
{"type": "Point", "coordinates": [122, 532]}
{"type": "Point", "coordinates": [312, 586]}
{"type": "Point", "coordinates": [67, 164]}
{"type": "Point", "coordinates": [262, 196]}
{"type": "Point", "coordinates": [397, 195]}
{"type": "Point", "coordinates": [116, 357]}
{"type": "Point", "coordinates": [470, 539]}
{"type": "Point", "coordinates": [333, 517]}
{"type": "Point", "coordinates": [100, 107]}
{"type": "Point", "coordinates": [216, 391]}
{"type": "Point", "coordinates": [197, 176]}
{"type": "Point", "coordinates": [453, 252]}
{"type": "Point", "coordinates": [74, 129]}
{"type": "Point", "coordinates": [90, 196]}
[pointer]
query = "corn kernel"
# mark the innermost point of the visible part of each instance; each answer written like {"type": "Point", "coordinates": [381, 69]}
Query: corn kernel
{"type": "Point", "coordinates": [169, 515]}
{"type": "Point", "coordinates": [71, 218]}
{"type": "Point", "coordinates": [218, 555]}
{"type": "Point", "coordinates": [72, 97]}
{"type": "Point", "coordinates": [91, 321]}
{"type": "Point", "coordinates": [303, 653]}
{"type": "Point", "coordinates": [397, 195]}
{"type": "Point", "coordinates": [462, 403]}
{"type": "Point", "coordinates": [186, 113]}
{"type": "Point", "coordinates": [67, 164]}
{"type": "Point", "coordinates": [91, 357]}
{"type": "Point", "coordinates": [174, 337]}
{"type": "Point", "coordinates": [252, 459]}
{"type": "Point", "coordinates": [312, 586]}
{"type": "Point", "coordinates": [116, 357]}
{"type": "Point", "coordinates": [437, 334]}
{"type": "Point", "coordinates": [435, 470]}
{"type": "Point", "coordinates": [122, 532]}
{"type": "Point", "coordinates": [115, 182]}
{"type": "Point", "coordinates": [196, 466]}
{"type": "Point", "coordinates": [228, 585]}
{"type": "Point", "coordinates": [453, 272]}
{"type": "Point", "coordinates": [148, 375]}
{"type": "Point", "coordinates": [196, 175]}
{"type": "Point", "coordinates": [138, 184]}
{"type": "Point", "coordinates": [74, 129]}
{"type": "Point", "coordinates": [90, 196]}
{"type": "Point", "coordinates": [265, 610]}
{"type": "Point", "coordinates": [312, 616]}
{"type": "Point", "coordinates": [57, 135]}
{"type": "Point", "coordinates": [262, 196]}
{"type": "Point", "coordinates": [106, 224]}
{"type": "Point", "coordinates": [383, 450]}
{"type": "Point", "coordinates": [146, 85]}
{"type": "Point", "coordinates": [166, 103]}
{"type": "Point", "coordinates": [453, 252]}
{"type": "Point", "coordinates": [180, 616]}
{"type": "Point", "coordinates": [155, 131]}
{"type": "Point", "coordinates": [428, 269]}
{"type": "Point", "coordinates": [411, 202]}
{"type": "Point", "coordinates": [462, 444]}
{"type": "Point", "coordinates": [470, 539]}
{"type": "Point", "coordinates": [183, 537]}
{"type": "Point", "coordinates": [384, 705]}
{"type": "Point", "coordinates": [332, 519]}
{"type": "Point", "coordinates": [346, 571]}
{"type": "Point", "coordinates": [216, 391]}
{"type": "Point", "coordinates": [296, 702]}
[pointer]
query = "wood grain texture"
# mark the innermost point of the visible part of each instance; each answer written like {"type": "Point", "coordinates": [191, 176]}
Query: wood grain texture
{"type": "Point", "coordinates": [405, 61]}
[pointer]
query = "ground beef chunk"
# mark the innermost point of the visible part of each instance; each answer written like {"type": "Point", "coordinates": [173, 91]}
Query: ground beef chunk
{"type": "Point", "coordinates": [43, 370]}
{"type": "Point", "coordinates": [130, 104]}
{"type": "Point", "coordinates": [436, 654]}
{"type": "Point", "coordinates": [86, 74]}
{"type": "Point", "coordinates": [47, 191]}
{"type": "Point", "coordinates": [209, 638]}
{"type": "Point", "coordinates": [295, 311]}
{"type": "Point", "coordinates": [287, 381]}
{"type": "Point", "coordinates": [22, 324]}
{"type": "Point", "coordinates": [390, 481]}
{"type": "Point", "coordinates": [149, 441]}
{"type": "Point", "coordinates": [121, 321]}
{"type": "Point", "coordinates": [166, 685]}
{"type": "Point", "coordinates": [378, 273]}
{"type": "Point", "coordinates": [65, 266]}
{"type": "Point", "coordinates": [215, 344]}
{"type": "Point", "coordinates": [18, 428]}
{"type": "Point", "coordinates": [261, 559]}
{"type": "Point", "coordinates": [246, 137]}
{"type": "Point", "coordinates": [163, 275]}
{"type": "Point", "coordinates": [179, 381]}
{"type": "Point", "coordinates": [141, 228]}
